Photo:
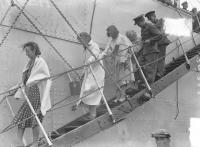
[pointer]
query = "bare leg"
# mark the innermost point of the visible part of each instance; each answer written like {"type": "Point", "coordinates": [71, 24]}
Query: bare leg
{"type": "Point", "coordinates": [20, 134]}
{"type": "Point", "coordinates": [36, 133]}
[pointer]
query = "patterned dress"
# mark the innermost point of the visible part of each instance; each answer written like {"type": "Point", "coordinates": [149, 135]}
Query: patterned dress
{"type": "Point", "coordinates": [34, 96]}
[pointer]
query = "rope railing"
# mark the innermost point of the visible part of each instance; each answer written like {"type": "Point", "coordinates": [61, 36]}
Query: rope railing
{"type": "Point", "coordinates": [73, 29]}
{"type": "Point", "coordinates": [71, 102]}
{"type": "Point", "coordinates": [82, 41]}
{"type": "Point", "coordinates": [47, 40]}
{"type": "Point", "coordinates": [6, 13]}
{"type": "Point", "coordinates": [63, 73]}
{"type": "Point", "coordinates": [81, 67]}
{"type": "Point", "coordinates": [14, 22]}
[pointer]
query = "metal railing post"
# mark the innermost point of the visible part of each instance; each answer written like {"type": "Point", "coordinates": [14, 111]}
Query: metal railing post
{"type": "Point", "coordinates": [142, 73]}
{"type": "Point", "coordinates": [36, 117]}
{"type": "Point", "coordinates": [197, 19]}
{"type": "Point", "coordinates": [185, 55]}
{"type": "Point", "coordinates": [13, 115]}
{"type": "Point", "coordinates": [104, 99]}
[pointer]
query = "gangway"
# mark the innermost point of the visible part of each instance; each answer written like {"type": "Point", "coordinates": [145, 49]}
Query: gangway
{"type": "Point", "coordinates": [79, 129]}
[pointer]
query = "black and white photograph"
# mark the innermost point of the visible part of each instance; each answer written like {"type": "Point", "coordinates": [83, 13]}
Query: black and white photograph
{"type": "Point", "coordinates": [99, 73]}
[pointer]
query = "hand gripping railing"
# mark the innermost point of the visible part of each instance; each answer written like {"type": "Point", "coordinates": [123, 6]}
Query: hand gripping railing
{"type": "Point", "coordinates": [36, 117]}
{"type": "Point", "coordinates": [185, 55]}
{"type": "Point", "coordinates": [47, 40]}
{"type": "Point", "coordinates": [81, 40]}
{"type": "Point", "coordinates": [13, 115]}
{"type": "Point", "coordinates": [140, 69]}
{"type": "Point", "coordinates": [104, 99]}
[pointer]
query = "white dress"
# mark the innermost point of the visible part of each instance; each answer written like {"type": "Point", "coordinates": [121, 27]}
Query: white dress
{"type": "Point", "coordinates": [89, 83]}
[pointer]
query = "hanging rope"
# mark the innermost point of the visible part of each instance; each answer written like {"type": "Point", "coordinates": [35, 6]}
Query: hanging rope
{"type": "Point", "coordinates": [11, 27]}
{"type": "Point", "coordinates": [32, 32]}
{"type": "Point", "coordinates": [177, 101]}
{"type": "Point", "coordinates": [53, 47]}
{"type": "Point", "coordinates": [71, 102]}
{"type": "Point", "coordinates": [32, 16]}
{"type": "Point", "coordinates": [86, 45]}
{"type": "Point", "coordinates": [97, 89]}
{"type": "Point", "coordinates": [6, 13]}
{"type": "Point", "coordinates": [81, 67]}
{"type": "Point", "coordinates": [68, 103]}
{"type": "Point", "coordinates": [93, 12]}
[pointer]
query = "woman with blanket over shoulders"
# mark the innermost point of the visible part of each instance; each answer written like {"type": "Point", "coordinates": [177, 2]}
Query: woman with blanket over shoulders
{"type": "Point", "coordinates": [93, 74]}
{"type": "Point", "coordinates": [37, 93]}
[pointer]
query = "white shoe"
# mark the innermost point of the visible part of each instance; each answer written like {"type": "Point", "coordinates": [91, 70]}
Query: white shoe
{"type": "Point", "coordinates": [122, 99]}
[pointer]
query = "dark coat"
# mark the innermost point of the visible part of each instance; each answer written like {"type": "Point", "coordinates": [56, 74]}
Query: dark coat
{"type": "Point", "coordinates": [152, 33]}
{"type": "Point", "coordinates": [160, 25]}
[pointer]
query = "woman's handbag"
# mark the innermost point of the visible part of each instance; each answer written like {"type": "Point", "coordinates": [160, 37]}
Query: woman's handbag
{"type": "Point", "coordinates": [75, 86]}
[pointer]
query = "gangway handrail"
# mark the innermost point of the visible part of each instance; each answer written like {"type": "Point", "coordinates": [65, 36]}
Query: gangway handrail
{"type": "Point", "coordinates": [69, 103]}
{"type": "Point", "coordinates": [149, 63]}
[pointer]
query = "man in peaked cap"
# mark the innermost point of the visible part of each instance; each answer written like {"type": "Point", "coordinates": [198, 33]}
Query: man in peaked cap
{"type": "Point", "coordinates": [162, 44]}
{"type": "Point", "coordinates": [150, 35]}
{"type": "Point", "coordinates": [162, 138]}
{"type": "Point", "coordinates": [185, 5]}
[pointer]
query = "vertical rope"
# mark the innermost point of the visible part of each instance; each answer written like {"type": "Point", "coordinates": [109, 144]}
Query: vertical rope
{"type": "Point", "coordinates": [47, 40]}
{"type": "Point", "coordinates": [177, 92]}
{"type": "Point", "coordinates": [82, 42]}
{"type": "Point", "coordinates": [13, 24]}
{"type": "Point", "coordinates": [6, 13]}
{"type": "Point", "coordinates": [177, 100]}
{"type": "Point", "coordinates": [92, 19]}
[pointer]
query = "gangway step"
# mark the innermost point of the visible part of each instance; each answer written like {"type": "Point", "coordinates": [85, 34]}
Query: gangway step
{"type": "Point", "coordinates": [81, 129]}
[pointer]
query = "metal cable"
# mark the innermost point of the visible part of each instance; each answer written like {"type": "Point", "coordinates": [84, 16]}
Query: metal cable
{"type": "Point", "coordinates": [32, 16]}
{"type": "Point", "coordinates": [53, 47]}
{"type": "Point", "coordinates": [144, 65]}
{"type": "Point", "coordinates": [6, 13]}
{"type": "Point", "coordinates": [92, 19]}
{"type": "Point", "coordinates": [81, 40]}
{"type": "Point", "coordinates": [11, 27]}
{"type": "Point", "coordinates": [69, 103]}
{"type": "Point", "coordinates": [78, 68]}
{"type": "Point", "coordinates": [72, 69]}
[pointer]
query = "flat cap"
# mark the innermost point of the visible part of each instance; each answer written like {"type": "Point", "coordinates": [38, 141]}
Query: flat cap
{"type": "Point", "coordinates": [139, 18]}
{"type": "Point", "coordinates": [148, 14]}
{"type": "Point", "coordinates": [162, 133]}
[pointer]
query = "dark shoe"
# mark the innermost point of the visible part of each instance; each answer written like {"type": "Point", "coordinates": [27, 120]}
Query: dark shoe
{"type": "Point", "coordinates": [131, 91]}
{"type": "Point", "coordinates": [141, 86]}
{"type": "Point", "coordinates": [74, 107]}
{"type": "Point", "coordinates": [144, 98]}
{"type": "Point", "coordinates": [158, 77]}
{"type": "Point", "coordinates": [88, 118]}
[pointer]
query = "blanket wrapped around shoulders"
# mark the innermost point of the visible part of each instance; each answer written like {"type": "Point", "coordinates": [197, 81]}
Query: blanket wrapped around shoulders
{"type": "Point", "coordinates": [39, 71]}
